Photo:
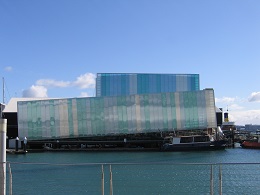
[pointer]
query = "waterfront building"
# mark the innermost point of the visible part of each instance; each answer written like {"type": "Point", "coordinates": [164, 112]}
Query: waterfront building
{"type": "Point", "coordinates": [119, 84]}
{"type": "Point", "coordinates": [131, 114]}
{"type": "Point", "coordinates": [125, 104]}
{"type": "Point", "coordinates": [252, 127]}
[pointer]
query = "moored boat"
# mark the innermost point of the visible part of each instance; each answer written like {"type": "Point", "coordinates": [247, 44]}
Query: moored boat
{"type": "Point", "coordinates": [193, 143]}
{"type": "Point", "coordinates": [253, 144]}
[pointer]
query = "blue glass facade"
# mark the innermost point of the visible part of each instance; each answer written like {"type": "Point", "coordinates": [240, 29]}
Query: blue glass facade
{"type": "Point", "coordinates": [117, 84]}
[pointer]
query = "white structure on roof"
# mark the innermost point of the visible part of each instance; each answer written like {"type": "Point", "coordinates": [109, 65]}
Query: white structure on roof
{"type": "Point", "coordinates": [11, 107]}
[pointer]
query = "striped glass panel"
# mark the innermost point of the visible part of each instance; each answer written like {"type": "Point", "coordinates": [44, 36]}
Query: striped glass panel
{"type": "Point", "coordinates": [111, 84]}
{"type": "Point", "coordinates": [78, 117]}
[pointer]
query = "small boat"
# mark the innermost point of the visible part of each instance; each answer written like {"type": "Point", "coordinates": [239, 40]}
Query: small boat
{"type": "Point", "coordinates": [193, 143]}
{"type": "Point", "coordinates": [251, 144]}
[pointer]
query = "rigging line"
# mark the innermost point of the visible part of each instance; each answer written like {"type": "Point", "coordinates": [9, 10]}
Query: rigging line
{"type": "Point", "coordinates": [5, 88]}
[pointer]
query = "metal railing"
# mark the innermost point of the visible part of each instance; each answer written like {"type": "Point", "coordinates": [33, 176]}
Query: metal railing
{"type": "Point", "coordinates": [133, 178]}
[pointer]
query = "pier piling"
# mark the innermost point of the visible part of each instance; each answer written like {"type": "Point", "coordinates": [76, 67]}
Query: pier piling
{"type": "Point", "coordinates": [24, 144]}
{"type": "Point", "coordinates": [16, 144]}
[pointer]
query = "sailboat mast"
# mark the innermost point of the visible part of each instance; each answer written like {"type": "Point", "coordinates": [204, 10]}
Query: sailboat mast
{"type": "Point", "coordinates": [3, 90]}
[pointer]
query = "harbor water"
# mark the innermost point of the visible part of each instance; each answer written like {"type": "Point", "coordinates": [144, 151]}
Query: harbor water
{"type": "Point", "coordinates": [135, 172]}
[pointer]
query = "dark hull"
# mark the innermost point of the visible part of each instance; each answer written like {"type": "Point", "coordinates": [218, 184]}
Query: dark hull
{"type": "Point", "coordinates": [216, 145]}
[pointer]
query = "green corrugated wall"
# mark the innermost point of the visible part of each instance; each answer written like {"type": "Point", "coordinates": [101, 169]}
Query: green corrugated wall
{"type": "Point", "coordinates": [80, 117]}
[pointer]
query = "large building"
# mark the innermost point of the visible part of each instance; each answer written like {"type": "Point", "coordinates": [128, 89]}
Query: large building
{"type": "Point", "coordinates": [125, 104]}
{"type": "Point", "coordinates": [144, 113]}
{"type": "Point", "coordinates": [118, 84]}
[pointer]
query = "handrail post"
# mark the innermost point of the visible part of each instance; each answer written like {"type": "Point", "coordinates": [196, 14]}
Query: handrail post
{"type": "Point", "coordinates": [102, 180]}
{"type": "Point", "coordinates": [111, 181]}
{"type": "Point", "coordinates": [3, 127]}
{"type": "Point", "coordinates": [220, 180]}
{"type": "Point", "coordinates": [211, 180]}
{"type": "Point", "coordinates": [10, 180]}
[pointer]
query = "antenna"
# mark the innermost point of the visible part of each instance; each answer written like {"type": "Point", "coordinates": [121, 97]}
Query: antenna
{"type": "Point", "coordinates": [3, 90]}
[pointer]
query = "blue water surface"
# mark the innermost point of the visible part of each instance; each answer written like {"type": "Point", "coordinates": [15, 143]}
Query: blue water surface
{"type": "Point", "coordinates": [136, 172]}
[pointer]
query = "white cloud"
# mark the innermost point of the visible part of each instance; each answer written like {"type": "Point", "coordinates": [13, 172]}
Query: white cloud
{"type": "Point", "coordinates": [241, 110]}
{"type": "Point", "coordinates": [8, 68]}
{"type": "Point", "coordinates": [52, 83]}
{"type": "Point", "coordinates": [85, 81]}
{"type": "Point", "coordinates": [235, 107]}
{"type": "Point", "coordinates": [35, 91]}
{"type": "Point", "coordinates": [225, 100]}
{"type": "Point", "coordinates": [229, 100]}
{"type": "Point", "coordinates": [84, 94]}
{"type": "Point", "coordinates": [254, 97]}
{"type": "Point", "coordinates": [231, 103]}
{"type": "Point", "coordinates": [245, 117]}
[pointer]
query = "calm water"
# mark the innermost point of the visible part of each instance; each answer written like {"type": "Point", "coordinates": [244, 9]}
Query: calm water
{"type": "Point", "coordinates": [136, 172]}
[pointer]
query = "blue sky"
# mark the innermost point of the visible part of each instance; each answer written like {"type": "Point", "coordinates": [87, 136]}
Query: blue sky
{"type": "Point", "coordinates": [54, 48]}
